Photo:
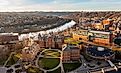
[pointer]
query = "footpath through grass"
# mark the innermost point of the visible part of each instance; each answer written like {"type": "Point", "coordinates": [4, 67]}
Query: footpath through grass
{"type": "Point", "coordinates": [56, 71]}
{"type": "Point", "coordinates": [13, 60]}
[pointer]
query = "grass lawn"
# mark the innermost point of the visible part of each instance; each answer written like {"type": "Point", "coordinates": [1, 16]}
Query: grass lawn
{"type": "Point", "coordinates": [71, 66]}
{"type": "Point", "coordinates": [71, 41]}
{"type": "Point", "coordinates": [56, 71]}
{"type": "Point", "coordinates": [18, 55]}
{"type": "Point", "coordinates": [2, 61]}
{"type": "Point", "coordinates": [75, 42]}
{"type": "Point", "coordinates": [51, 53]}
{"type": "Point", "coordinates": [12, 60]}
{"type": "Point", "coordinates": [4, 58]}
{"type": "Point", "coordinates": [66, 40]}
{"type": "Point", "coordinates": [33, 70]}
{"type": "Point", "coordinates": [48, 63]}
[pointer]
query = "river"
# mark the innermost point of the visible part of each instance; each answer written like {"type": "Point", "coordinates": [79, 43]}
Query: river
{"type": "Point", "coordinates": [57, 29]}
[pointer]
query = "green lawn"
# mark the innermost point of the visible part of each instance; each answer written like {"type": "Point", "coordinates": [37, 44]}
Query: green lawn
{"type": "Point", "coordinates": [51, 53]}
{"type": "Point", "coordinates": [71, 41]}
{"type": "Point", "coordinates": [12, 60]}
{"type": "Point", "coordinates": [56, 71]}
{"type": "Point", "coordinates": [2, 61]}
{"type": "Point", "coordinates": [4, 58]}
{"type": "Point", "coordinates": [75, 42]}
{"type": "Point", "coordinates": [71, 66]}
{"type": "Point", "coordinates": [33, 70]}
{"type": "Point", "coordinates": [48, 63]}
{"type": "Point", "coordinates": [67, 40]}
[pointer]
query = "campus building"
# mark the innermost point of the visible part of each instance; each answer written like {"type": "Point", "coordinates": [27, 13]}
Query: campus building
{"type": "Point", "coordinates": [99, 37]}
{"type": "Point", "coordinates": [70, 53]}
{"type": "Point", "coordinates": [100, 53]}
{"type": "Point", "coordinates": [8, 37]}
{"type": "Point", "coordinates": [30, 51]}
{"type": "Point", "coordinates": [46, 41]}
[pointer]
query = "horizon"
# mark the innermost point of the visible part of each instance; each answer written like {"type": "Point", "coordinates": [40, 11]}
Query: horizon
{"type": "Point", "coordinates": [63, 11]}
{"type": "Point", "coordinates": [59, 5]}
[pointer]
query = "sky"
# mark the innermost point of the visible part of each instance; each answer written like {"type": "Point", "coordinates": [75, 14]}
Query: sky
{"type": "Point", "coordinates": [60, 5]}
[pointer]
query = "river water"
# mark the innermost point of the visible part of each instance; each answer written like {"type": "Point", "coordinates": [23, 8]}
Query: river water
{"type": "Point", "coordinates": [58, 29]}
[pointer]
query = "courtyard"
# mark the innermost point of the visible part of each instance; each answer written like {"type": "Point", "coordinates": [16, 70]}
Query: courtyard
{"type": "Point", "coordinates": [48, 63]}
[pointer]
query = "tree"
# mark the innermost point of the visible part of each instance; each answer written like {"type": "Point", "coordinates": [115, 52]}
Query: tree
{"type": "Point", "coordinates": [117, 41]}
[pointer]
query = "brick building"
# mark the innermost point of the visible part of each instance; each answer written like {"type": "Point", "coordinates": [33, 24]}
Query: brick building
{"type": "Point", "coordinates": [47, 41]}
{"type": "Point", "coordinates": [29, 52]}
{"type": "Point", "coordinates": [8, 37]}
{"type": "Point", "coordinates": [71, 53]}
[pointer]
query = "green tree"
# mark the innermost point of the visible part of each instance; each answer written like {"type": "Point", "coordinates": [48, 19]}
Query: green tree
{"type": "Point", "coordinates": [117, 41]}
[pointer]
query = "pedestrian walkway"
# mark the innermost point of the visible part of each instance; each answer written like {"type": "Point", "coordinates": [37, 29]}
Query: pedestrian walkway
{"type": "Point", "coordinates": [60, 64]}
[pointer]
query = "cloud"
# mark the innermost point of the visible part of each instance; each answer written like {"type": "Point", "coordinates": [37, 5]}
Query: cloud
{"type": "Point", "coordinates": [11, 2]}
{"type": "Point", "coordinates": [58, 5]}
{"type": "Point", "coordinates": [4, 2]}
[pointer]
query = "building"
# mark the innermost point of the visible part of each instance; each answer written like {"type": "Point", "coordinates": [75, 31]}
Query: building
{"type": "Point", "coordinates": [100, 53]}
{"type": "Point", "coordinates": [8, 37]}
{"type": "Point", "coordinates": [70, 53]}
{"type": "Point", "coordinates": [98, 26]}
{"type": "Point", "coordinates": [50, 41]}
{"type": "Point", "coordinates": [4, 50]}
{"type": "Point", "coordinates": [98, 37]}
{"type": "Point", "coordinates": [107, 23]}
{"type": "Point", "coordinates": [30, 51]}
